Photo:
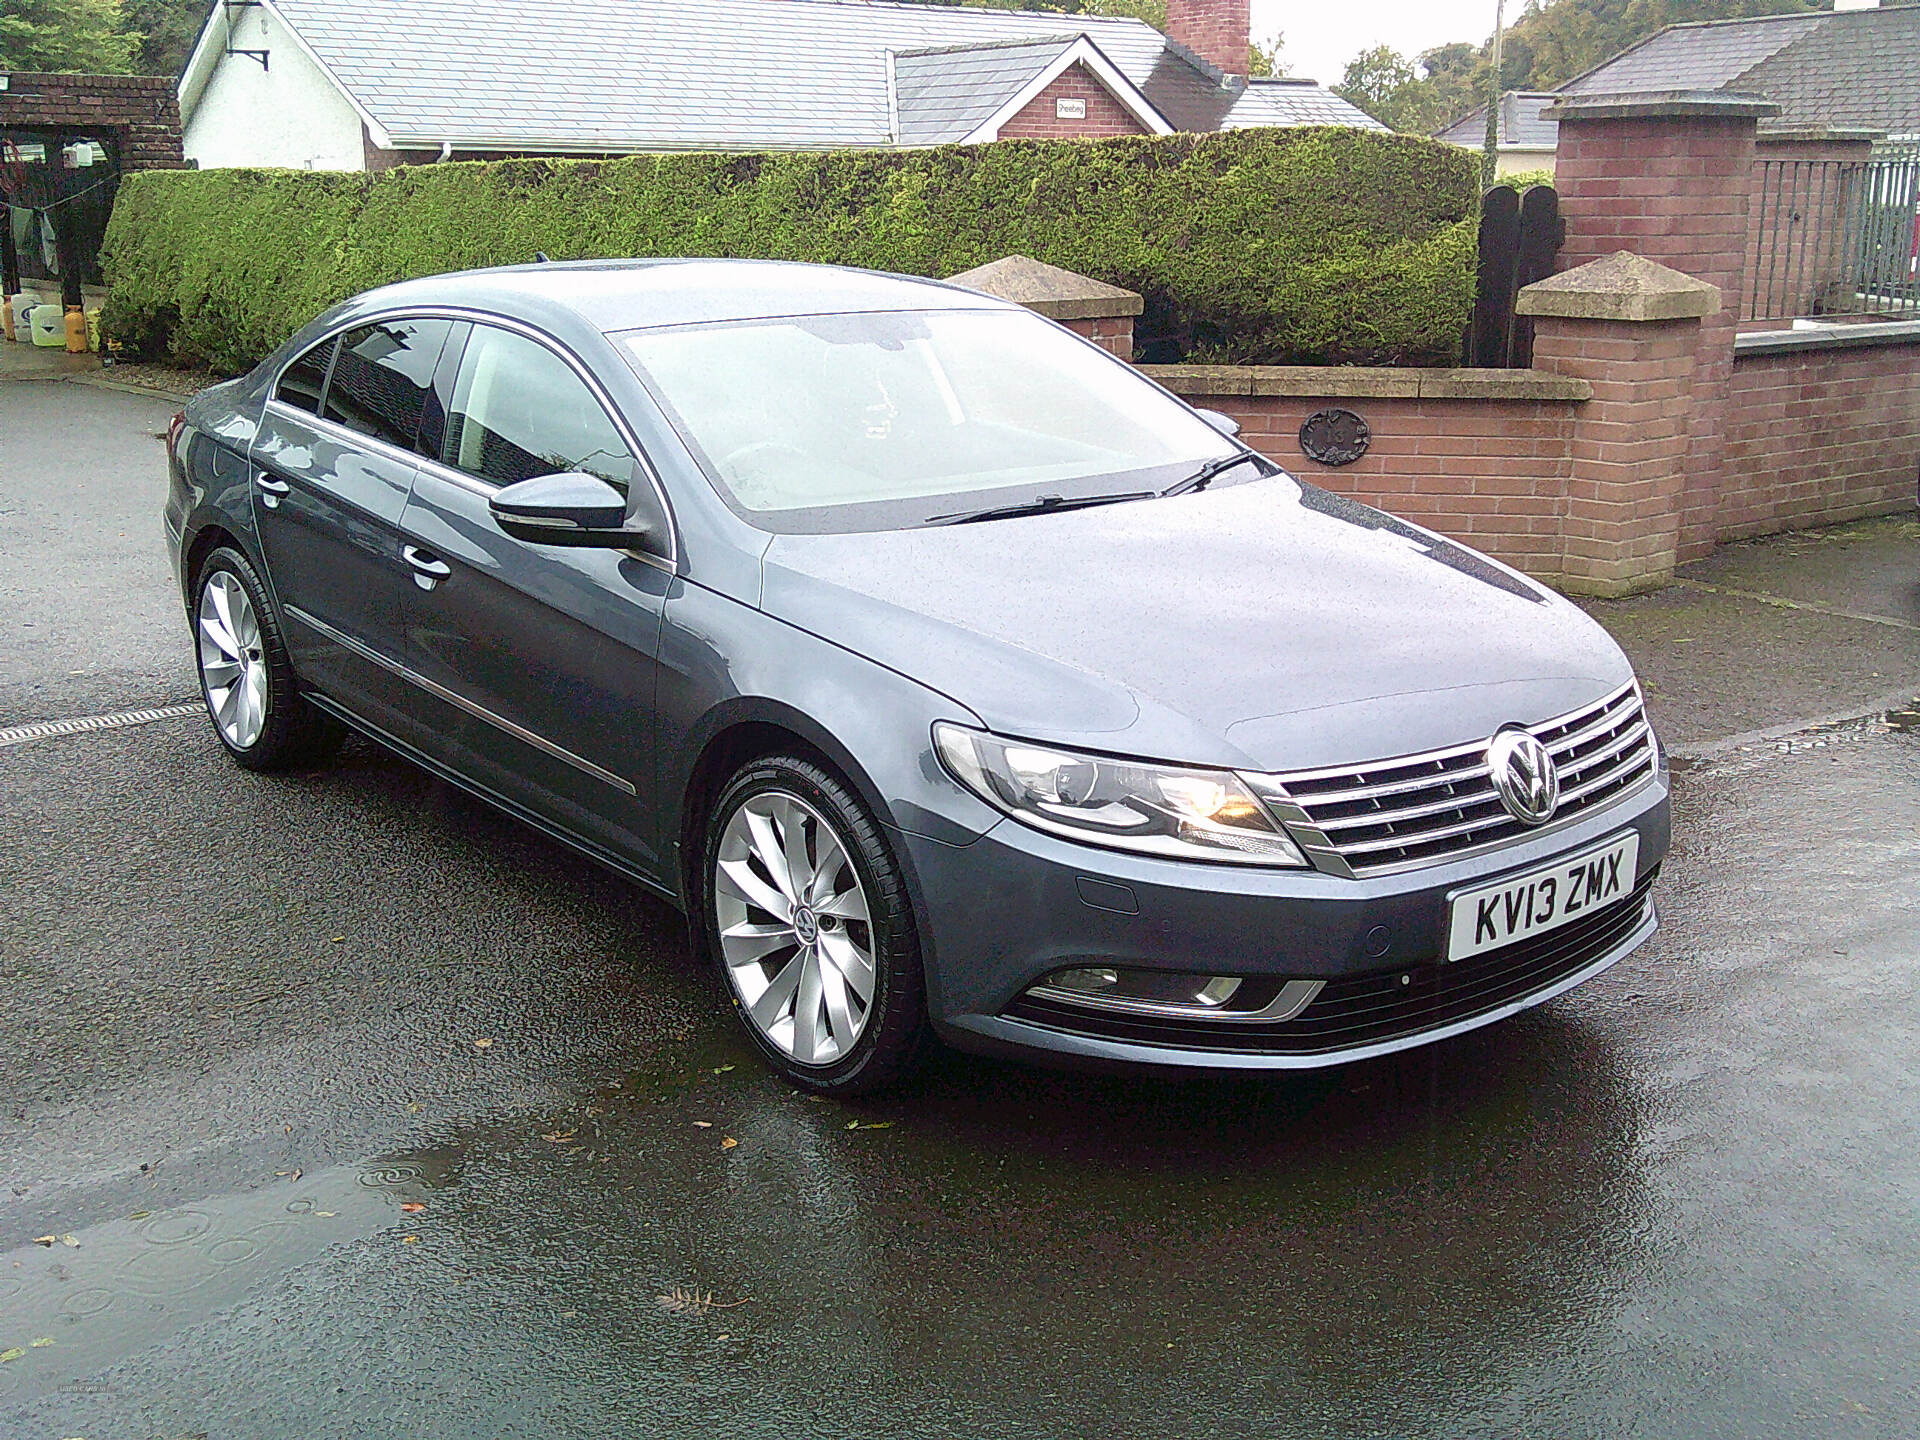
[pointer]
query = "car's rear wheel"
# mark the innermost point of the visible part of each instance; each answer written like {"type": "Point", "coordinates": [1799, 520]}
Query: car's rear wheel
{"type": "Point", "coordinates": [246, 677]}
{"type": "Point", "coordinates": [808, 916]}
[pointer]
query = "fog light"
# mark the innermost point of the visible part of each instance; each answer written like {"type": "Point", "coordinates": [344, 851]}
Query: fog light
{"type": "Point", "coordinates": [1175, 996]}
{"type": "Point", "coordinates": [1156, 987]}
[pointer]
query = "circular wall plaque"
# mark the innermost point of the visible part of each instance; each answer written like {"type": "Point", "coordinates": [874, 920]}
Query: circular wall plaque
{"type": "Point", "coordinates": [1335, 437]}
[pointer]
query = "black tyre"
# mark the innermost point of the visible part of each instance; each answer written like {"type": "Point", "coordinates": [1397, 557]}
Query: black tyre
{"type": "Point", "coordinates": [806, 913]}
{"type": "Point", "coordinates": [246, 677]}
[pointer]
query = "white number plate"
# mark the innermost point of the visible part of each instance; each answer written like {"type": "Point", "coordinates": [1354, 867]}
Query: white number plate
{"type": "Point", "coordinates": [1496, 915]}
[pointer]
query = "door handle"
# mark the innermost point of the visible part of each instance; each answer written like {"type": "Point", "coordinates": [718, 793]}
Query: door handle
{"type": "Point", "coordinates": [270, 489]}
{"type": "Point", "coordinates": [427, 571]}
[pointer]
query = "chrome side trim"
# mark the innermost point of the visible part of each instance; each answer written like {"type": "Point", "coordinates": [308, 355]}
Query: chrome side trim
{"type": "Point", "coordinates": [461, 702]}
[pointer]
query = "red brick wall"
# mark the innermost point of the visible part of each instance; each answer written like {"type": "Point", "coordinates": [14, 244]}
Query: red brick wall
{"type": "Point", "coordinates": [1217, 30]}
{"type": "Point", "coordinates": [1489, 472]}
{"type": "Point", "coordinates": [1675, 190]}
{"type": "Point", "coordinates": [1106, 117]}
{"type": "Point", "coordinates": [1113, 333]}
{"type": "Point", "coordinates": [1819, 436]}
{"type": "Point", "coordinates": [139, 111]}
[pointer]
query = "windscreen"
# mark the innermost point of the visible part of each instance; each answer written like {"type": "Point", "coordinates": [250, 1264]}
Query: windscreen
{"type": "Point", "coordinates": [904, 415]}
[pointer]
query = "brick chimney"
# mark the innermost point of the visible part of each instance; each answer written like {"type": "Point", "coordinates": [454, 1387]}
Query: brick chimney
{"type": "Point", "coordinates": [1220, 31]}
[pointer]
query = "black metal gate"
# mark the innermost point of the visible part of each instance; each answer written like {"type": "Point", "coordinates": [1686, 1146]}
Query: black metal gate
{"type": "Point", "coordinates": [1519, 238]}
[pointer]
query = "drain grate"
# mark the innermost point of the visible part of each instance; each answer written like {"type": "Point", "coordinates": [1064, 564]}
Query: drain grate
{"type": "Point", "coordinates": [52, 729]}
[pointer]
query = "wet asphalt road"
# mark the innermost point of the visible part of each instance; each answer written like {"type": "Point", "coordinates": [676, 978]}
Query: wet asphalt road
{"type": "Point", "coordinates": [242, 1023]}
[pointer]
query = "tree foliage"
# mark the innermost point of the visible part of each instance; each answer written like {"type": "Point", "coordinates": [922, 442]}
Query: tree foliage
{"type": "Point", "coordinates": [1550, 43]}
{"type": "Point", "coordinates": [163, 32]}
{"type": "Point", "coordinates": [63, 36]}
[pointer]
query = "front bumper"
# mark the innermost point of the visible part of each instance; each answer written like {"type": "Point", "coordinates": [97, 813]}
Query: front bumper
{"type": "Point", "coordinates": [1003, 913]}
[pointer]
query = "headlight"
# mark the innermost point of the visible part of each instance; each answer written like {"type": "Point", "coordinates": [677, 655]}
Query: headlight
{"type": "Point", "coordinates": [1154, 809]}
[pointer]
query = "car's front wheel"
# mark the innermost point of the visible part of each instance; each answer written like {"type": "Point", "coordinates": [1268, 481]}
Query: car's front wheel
{"type": "Point", "coordinates": [809, 919]}
{"type": "Point", "coordinates": [246, 677]}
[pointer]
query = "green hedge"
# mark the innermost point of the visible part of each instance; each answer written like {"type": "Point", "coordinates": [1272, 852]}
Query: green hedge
{"type": "Point", "coordinates": [1255, 246]}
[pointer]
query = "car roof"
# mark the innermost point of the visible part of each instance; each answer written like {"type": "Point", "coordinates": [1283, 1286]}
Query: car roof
{"type": "Point", "coordinates": [615, 295]}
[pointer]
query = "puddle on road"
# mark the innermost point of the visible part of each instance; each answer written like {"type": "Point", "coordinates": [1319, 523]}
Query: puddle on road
{"type": "Point", "coordinates": [72, 1310]}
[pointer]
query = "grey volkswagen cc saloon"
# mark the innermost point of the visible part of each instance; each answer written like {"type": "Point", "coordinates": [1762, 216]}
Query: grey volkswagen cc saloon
{"type": "Point", "coordinates": [951, 675]}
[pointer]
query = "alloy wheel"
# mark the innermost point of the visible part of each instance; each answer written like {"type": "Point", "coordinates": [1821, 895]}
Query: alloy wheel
{"type": "Point", "coordinates": [233, 666]}
{"type": "Point", "coordinates": [796, 933]}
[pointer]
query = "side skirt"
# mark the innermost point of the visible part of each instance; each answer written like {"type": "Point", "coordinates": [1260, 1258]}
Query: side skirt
{"type": "Point", "coordinates": [602, 857]}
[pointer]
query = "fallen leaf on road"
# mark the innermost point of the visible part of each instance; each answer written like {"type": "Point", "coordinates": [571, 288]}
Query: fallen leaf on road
{"type": "Point", "coordinates": [70, 1242]}
{"type": "Point", "coordinates": [46, 1240]}
{"type": "Point", "coordinates": [338, 940]}
{"type": "Point", "coordinates": [41, 1343]}
{"type": "Point", "coordinates": [482, 1044]}
{"type": "Point", "coordinates": [682, 1301]}
{"type": "Point", "coordinates": [703, 1124]}
{"type": "Point", "coordinates": [139, 1215]}
{"type": "Point", "coordinates": [323, 1214]}
{"type": "Point", "coordinates": [409, 1239]}
{"type": "Point", "coordinates": [874, 1125]}
{"type": "Point", "coordinates": [559, 1137]}
{"type": "Point", "coordinates": [728, 1143]}
{"type": "Point", "coordinates": [412, 1207]}
{"type": "Point", "coordinates": [721, 1070]}
{"type": "Point", "coordinates": [14, 1354]}
{"type": "Point", "coordinates": [415, 1108]}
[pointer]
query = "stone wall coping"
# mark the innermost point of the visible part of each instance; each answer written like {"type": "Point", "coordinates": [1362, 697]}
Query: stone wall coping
{"type": "Point", "coordinates": [1662, 105]}
{"type": "Point", "coordinates": [1827, 337]}
{"type": "Point", "coordinates": [1819, 135]}
{"type": "Point", "coordinates": [1620, 286]}
{"type": "Point", "coordinates": [1363, 382]}
{"type": "Point", "coordinates": [1048, 290]}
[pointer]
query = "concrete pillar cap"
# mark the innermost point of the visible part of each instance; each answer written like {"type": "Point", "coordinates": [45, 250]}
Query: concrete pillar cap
{"type": "Point", "coordinates": [1048, 290]}
{"type": "Point", "coordinates": [1661, 105]}
{"type": "Point", "coordinates": [1621, 286]}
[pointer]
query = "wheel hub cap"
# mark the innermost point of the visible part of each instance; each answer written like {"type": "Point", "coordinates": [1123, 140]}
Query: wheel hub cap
{"type": "Point", "coordinates": [233, 667]}
{"type": "Point", "coordinates": [796, 933]}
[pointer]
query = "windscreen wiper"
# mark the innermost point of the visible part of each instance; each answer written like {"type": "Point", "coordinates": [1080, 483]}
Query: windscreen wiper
{"type": "Point", "coordinates": [1045, 505]}
{"type": "Point", "coordinates": [1204, 476]}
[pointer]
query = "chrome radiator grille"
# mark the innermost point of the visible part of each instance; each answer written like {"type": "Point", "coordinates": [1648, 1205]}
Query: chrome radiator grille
{"type": "Point", "coordinates": [1417, 809]}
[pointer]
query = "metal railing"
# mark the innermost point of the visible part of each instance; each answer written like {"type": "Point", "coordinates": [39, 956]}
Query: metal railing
{"type": "Point", "coordinates": [1834, 238]}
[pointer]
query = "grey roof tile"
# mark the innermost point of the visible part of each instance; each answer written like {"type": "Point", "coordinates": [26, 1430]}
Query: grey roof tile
{"type": "Point", "coordinates": [1695, 57]}
{"type": "Point", "coordinates": [944, 95]}
{"type": "Point", "coordinates": [1521, 126]}
{"type": "Point", "coordinates": [723, 74]}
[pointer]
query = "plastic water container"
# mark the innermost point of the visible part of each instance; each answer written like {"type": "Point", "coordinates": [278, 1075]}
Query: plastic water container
{"type": "Point", "coordinates": [50, 325]}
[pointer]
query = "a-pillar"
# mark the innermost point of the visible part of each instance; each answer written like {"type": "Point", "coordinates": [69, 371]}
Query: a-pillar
{"type": "Point", "coordinates": [1670, 177]}
{"type": "Point", "coordinates": [1631, 329]}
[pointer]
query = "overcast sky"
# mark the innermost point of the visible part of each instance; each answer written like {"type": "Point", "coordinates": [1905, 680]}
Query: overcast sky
{"type": "Point", "coordinates": [1322, 35]}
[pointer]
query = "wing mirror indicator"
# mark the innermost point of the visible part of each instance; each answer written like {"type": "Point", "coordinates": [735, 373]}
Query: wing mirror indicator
{"type": "Point", "coordinates": [572, 508]}
{"type": "Point", "coordinates": [1225, 424]}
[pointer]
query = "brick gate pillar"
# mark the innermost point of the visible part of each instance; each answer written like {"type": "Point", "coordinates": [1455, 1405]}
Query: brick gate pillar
{"type": "Point", "coordinates": [1670, 176]}
{"type": "Point", "coordinates": [1101, 312]}
{"type": "Point", "coordinates": [1631, 329]}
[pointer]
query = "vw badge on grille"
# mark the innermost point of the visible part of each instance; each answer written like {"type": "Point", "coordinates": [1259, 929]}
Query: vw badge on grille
{"type": "Point", "coordinates": [1525, 776]}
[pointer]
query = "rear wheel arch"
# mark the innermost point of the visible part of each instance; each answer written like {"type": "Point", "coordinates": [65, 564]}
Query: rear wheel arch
{"type": "Point", "coordinates": [208, 538]}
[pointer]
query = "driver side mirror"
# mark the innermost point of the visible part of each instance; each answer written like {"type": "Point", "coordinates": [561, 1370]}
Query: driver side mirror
{"type": "Point", "coordinates": [1225, 424]}
{"type": "Point", "coordinates": [567, 509]}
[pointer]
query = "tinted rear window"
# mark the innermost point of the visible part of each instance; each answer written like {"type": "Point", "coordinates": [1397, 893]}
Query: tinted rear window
{"type": "Point", "coordinates": [383, 376]}
{"type": "Point", "coordinates": [300, 382]}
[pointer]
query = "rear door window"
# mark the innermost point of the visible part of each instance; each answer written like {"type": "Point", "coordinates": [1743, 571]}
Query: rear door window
{"type": "Point", "coordinates": [520, 411]}
{"type": "Point", "coordinates": [383, 377]}
{"type": "Point", "coordinates": [303, 380]}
